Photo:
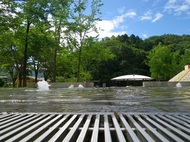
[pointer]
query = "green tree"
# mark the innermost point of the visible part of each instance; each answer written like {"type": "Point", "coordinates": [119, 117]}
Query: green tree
{"type": "Point", "coordinates": [11, 57]}
{"type": "Point", "coordinates": [33, 13]}
{"type": "Point", "coordinates": [93, 55]}
{"type": "Point", "coordinates": [177, 46]}
{"type": "Point", "coordinates": [42, 44]}
{"type": "Point", "coordinates": [159, 60]}
{"type": "Point", "coordinates": [81, 24]}
{"type": "Point", "coordinates": [185, 58]}
{"type": "Point", "coordinates": [10, 51]}
{"type": "Point", "coordinates": [176, 65]}
{"type": "Point", "coordinates": [60, 11]}
{"type": "Point", "coordinates": [110, 68]}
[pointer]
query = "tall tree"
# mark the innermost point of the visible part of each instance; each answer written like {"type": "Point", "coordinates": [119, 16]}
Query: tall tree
{"type": "Point", "coordinates": [40, 51]}
{"type": "Point", "coordinates": [60, 10]}
{"type": "Point", "coordinates": [31, 13]}
{"type": "Point", "coordinates": [185, 58]}
{"type": "Point", "coordinates": [159, 60]}
{"type": "Point", "coordinates": [82, 23]}
{"type": "Point", "coordinates": [10, 39]}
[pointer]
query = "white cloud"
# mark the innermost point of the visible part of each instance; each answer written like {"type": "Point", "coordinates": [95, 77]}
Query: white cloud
{"type": "Point", "coordinates": [147, 16]}
{"type": "Point", "coordinates": [171, 1]}
{"type": "Point", "coordinates": [150, 16]}
{"type": "Point", "coordinates": [121, 10]}
{"type": "Point", "coordinates": [144, 36]}
{"type": "Point", "coordinates": [131, 14]}
{"type": "Point", "coordinates": [187, 1]}
{"type": "Point", "coordinates": [177, 7]}
{"type": "Point", "coordinates": [183, 8]}
{"type": "Point", "coordinates": [114, 27]}
{"type": "Point", "coordinates": [107, 27]}
{"type": "Point", "coordinates": [157, 17]}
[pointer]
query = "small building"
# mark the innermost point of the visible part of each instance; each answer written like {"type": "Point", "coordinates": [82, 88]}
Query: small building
{"type": "Point", "coordinates": [30, 81]}
{"type": "Point", "coordinates": [183, 76]}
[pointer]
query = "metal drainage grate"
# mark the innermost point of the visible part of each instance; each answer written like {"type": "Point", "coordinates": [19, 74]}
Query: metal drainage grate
{"type": "Point", "coordinates": [94, 127]}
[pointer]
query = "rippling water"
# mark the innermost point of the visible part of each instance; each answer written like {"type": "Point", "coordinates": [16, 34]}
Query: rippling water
{"type": "Point", "coordinates": [129, 99]}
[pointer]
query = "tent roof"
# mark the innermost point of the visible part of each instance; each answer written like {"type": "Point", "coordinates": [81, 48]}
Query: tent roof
{"type": "Point", "coordinates": [132, 77]}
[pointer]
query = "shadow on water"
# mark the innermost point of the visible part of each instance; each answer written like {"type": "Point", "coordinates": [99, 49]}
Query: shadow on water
{"type": "Point", "coordinates": [118, 99]}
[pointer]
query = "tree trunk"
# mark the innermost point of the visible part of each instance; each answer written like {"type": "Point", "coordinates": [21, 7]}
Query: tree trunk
{"type": "Point", "coordinates": [14, 78]}
{"type": "Point", "coordinates": [55, 52]}
{"type": "Point", "coordinates": [25, 55]}
{"type": "Point", "coordinates": [79, 64]}
{"type": "Point", "coordinates": [36, 76]}
{"type": "Point", "coordinates": [14, 83]}
{"type": "Point", "coordinates": [54, 65]}
{"type": "Point", "coordinates": [36, 70]}
{"type": "Point", "coordinates": [20, 80]}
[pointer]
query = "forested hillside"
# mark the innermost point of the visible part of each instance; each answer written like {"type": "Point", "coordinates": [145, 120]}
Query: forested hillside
{"type": "Point", "coordinates": [59, 47]}
{"type": "Point", "coordinates": [160, 57]}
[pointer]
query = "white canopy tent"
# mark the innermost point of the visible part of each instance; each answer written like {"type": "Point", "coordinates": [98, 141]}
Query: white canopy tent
{"type": "Point", "coordinates": [132, 77]}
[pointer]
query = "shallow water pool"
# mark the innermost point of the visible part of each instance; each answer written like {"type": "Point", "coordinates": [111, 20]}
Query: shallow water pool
{"type": "Point", "coordinates": [114, 99]}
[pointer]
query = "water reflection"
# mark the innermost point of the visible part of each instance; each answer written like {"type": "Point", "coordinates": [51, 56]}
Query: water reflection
{"type": "Point", "coordinates": [130, 99]}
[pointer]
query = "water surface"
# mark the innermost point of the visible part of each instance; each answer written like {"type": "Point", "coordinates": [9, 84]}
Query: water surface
{"type": "Point", "coordinates": [125, 99]}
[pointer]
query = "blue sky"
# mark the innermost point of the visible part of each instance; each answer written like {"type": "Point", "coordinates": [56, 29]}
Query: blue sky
{"type": "Point", "coordinates": [144, 18]}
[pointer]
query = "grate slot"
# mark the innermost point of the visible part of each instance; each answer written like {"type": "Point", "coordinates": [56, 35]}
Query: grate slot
{"type": "Point", "coordinates": [97, 127]}
{"type": "Point", "coordinates": [118, 130]}
{"type": "Point", "coordinates": [154, 120]}
{"type": "Point", "coordinates": [130, 133]}
{"type": "Point", "coordinates": [15, 120]}
{"type": "Point", "coordinates": [183, 118]}
{"type": "Point", "coordinates": [175, 124]}
{"type": "Point", "coordinates": [72, 132]}
{"type": "Point", "coordinates": [20, 127]}
{"type": "Point", "coordinates": [187, 116]}
{"type": "Point", "coordinates": [85, 128]}
{"type": "Point", "coordinates": [40, 129]}
{"type": "Point", "coordinates": [52, 129]}
{"type": "Point", "coordinates": [6, 117]}
{"type": "Point", "coordinates": [16, 125]}
{"type": "Point", "coordinates": [62, 130]}
{"type": "Point", "coordinates": [107, 134]}
{"type": "Point", "coordinates": [183, 123]}
{"type": "Point", "coordinates": [155, 134]}
{"type": "Point", "coordinates": [142, 133]}
{"type": "Point", "coordinates": [171, 128]}
{"type": "Point", "coordinates": [31, 128]}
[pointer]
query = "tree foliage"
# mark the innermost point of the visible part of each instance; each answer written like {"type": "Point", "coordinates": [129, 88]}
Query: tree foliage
{"type": "Point", "coordinates": [81, 25]}
{"type": "Point", "coordinates": [168, 56]}
{"type": "Point", "coordinates": [59, 39]}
